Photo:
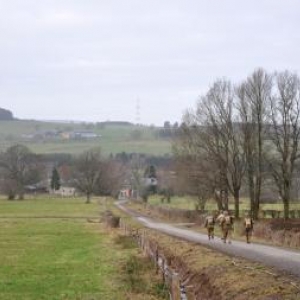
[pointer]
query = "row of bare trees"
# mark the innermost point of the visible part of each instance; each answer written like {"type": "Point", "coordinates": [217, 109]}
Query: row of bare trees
{"type": "Point", "coordinates": [240, 135]}
{"type": "Point", "coordinates": [18, 168]}
{"type": "Point", "coordinates": [93, 174]}
{"type": "Point", "coordinates": [90, 173]}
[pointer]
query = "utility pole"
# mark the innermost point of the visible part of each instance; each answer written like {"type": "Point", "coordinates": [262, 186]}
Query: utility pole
{"type": "Point", "coordinates": [137, 112]}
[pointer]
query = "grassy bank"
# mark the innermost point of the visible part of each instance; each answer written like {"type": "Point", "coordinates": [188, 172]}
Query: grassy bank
{"type": "Point", "coordinates": [213, 275]}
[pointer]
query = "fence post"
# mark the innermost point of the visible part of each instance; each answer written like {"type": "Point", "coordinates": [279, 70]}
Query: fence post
{"type": "Point", "coordinates": [177, 289]}
{"type": "Point", "coordinates": [143, 240]}
{"type": "Point", "coordinates": [156, 259]}
{"type": "Point", "coordinates": [182, 292]}
{"type": "Point", "coordinates": [163, 270]}
{"type": "Point", "coordinates": [175, 292]}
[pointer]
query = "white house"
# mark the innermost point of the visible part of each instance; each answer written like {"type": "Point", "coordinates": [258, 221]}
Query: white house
{"type": "Point", "coordinates": [65, 191]}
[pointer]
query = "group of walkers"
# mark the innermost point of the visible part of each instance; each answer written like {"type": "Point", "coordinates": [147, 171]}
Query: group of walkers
{"type": "Point", "coordinates": [226, 223]}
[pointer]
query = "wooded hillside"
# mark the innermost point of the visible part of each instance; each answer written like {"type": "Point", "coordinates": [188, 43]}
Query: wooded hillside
{"type": "Point", "coordinates": [6, 115]}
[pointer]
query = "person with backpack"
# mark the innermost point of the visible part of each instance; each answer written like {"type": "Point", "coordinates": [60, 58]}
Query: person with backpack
{"type": "Point", "coordinates": [209, 224]}
{"type": "Point", "coordinates": [227, 227]}
{"type": "Point", "coordinates": [248, 224]}
{"type": "Point", "coordinates": [219, 220]}
{"type": "Point", "coordinates": [220, 217]}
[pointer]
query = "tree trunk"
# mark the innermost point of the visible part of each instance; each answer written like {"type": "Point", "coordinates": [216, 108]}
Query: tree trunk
{"type": "Point", "coordinates": [225, 199]}
{"type": "Point", "coordinates": [286, 206]}
{"type": "Point", "coordinates": [251, 187]}
{"type": "Point", "coordinates": [88, 198]}
{"type": "Point", "coordinates": [286, 199]}
{"type": "Point", "coordinates": [11, 197]}
{"type": "Point", "coordinates": [236, 203]}
{"type": "Point", "coordinates": [256, 208]}
{"type": "Point", "coordinates": [201, 203]}
{"type": "Point", "coordinates": [219, 201]}
{"type": "Point", "coordinates": [257, 193]}
{"type": "Point", "coordinates": [224, 188]}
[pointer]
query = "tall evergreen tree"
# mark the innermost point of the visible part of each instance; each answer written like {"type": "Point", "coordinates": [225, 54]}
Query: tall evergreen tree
{"type": "Point", "coordinates": [150, 172]}
{"type": "Point", "coordinates": [55, 180]}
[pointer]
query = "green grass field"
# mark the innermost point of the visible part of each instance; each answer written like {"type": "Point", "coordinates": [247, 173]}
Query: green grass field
{"type": "Point", "coordinates": [188, 202]}
{"type": "Point", "coordinates": [154, 147]}
{"type": "Point", "coordinates": [48, 252]}
{"type": "Point", "coordinates": [114, 138]}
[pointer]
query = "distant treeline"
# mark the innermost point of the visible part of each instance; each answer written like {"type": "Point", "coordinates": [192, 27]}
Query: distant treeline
{"type": "Point", "coordinates": [6, 115]}
{"type": "Point", "coordinates": [124, 157]}
{"type": "Point", "coordinates": [116, 123]}
{"type": "Point", "coordinates": [159, 161]}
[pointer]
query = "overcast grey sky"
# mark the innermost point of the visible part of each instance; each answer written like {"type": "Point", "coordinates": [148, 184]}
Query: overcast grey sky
{"type": "Point", "coordinates": [92, 59]}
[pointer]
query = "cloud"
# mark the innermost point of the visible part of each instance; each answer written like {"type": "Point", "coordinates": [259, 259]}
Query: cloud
{"type": "Point", "coordinates": [107, 53]}
{"type": "Point", "coordinates": [62, 18]}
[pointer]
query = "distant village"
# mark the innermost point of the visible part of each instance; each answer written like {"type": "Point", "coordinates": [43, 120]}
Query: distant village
{"type": "Point", "coordinates": [60, 135]}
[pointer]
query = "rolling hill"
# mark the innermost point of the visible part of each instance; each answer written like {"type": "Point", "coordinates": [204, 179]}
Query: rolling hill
{"type": "Point", "coordinates": [74, 138]}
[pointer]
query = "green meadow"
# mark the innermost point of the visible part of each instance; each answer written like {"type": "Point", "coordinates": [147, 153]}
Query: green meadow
{"type": "Point", "coordinates": [188, 202]}
{"type": "Point", "coordinates": [48, 250]}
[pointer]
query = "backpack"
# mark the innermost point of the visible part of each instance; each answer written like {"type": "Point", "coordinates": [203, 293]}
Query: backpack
{"type": "Point", "coordinates": [228, 220]}
{"type": "Point", "coordinates": [248, 223]}
{"type": "Point", "coordinates": [210, 220]}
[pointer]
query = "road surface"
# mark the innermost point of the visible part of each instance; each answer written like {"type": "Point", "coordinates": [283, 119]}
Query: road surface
{"type": "Point", "coordinates": [284, 260]}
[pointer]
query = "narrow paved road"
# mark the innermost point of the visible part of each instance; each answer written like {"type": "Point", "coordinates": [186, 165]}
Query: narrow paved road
{"type": "Point", "coordinates": [281, 259]}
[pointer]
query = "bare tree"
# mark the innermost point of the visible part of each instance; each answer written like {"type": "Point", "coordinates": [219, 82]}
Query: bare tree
{"type": "Point", "coordinates": [113, 178]}
{"type": "Point", "coordinates": [254, 95]}
{"type": "Point", "coordinates": [216, 136]}
{"type": "Point", "coordinates": [9, 188]}
{"type": "Point", "coordinates": [285, 134]}
{"type": "Point", "coordinates": [223, 138]}
{"type": "Point", "coordinates": [88, 170]}
{"type": "Point", "coordinates": [196, 173]}
{"type": "Point", "coordinates": [167, 179]}
{"type": "Point", "coordinates": [137, 167]}
{"type": "Point", "coordinates": [19, 167]}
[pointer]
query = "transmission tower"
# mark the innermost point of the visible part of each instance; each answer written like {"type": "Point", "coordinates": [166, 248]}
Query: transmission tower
{"type": "Point", "coordinates": [137, 112]}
